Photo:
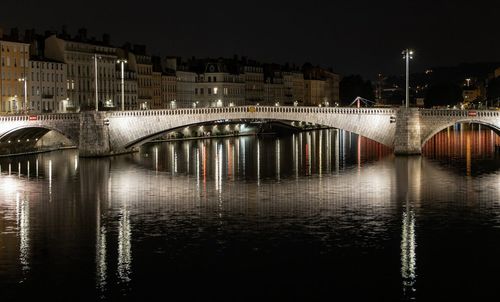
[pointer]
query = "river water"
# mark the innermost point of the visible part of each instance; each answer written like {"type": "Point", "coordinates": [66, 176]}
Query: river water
{"type": "Point", "coordinates": [320, 215]}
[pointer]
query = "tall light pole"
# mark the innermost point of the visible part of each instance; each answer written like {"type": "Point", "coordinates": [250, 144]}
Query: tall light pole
{"type": "Point", "coordinates": [25, 80]}
{"type": "Point", "coordinates": [96, 87]}
{"type": "Point", "coordinates": [122, 62]}
{"type": "Point", "coordinates": [407, 55]}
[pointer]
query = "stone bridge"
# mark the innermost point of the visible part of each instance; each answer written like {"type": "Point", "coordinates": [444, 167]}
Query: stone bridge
{"type": "Point", "coordinates": [106, 133]}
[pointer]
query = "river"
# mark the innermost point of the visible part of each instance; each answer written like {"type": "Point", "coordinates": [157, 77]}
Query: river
{"type": "Point", "coordinates": [311, 216]}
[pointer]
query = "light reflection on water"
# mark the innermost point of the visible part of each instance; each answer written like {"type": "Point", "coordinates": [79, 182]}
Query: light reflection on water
{"type": "Point", "coordinates": [283, 209]}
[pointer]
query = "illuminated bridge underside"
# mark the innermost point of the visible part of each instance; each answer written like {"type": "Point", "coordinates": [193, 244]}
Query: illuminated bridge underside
{"type": "Point", "coordinates": [108, 133]}
{"type": "Point", "coordinates": [127, 130]}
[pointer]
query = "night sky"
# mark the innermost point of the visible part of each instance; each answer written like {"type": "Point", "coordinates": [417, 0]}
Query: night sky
{"type": "Point", "coordinates": [353, 37]}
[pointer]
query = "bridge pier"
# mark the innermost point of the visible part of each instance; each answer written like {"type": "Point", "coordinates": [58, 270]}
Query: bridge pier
{"type": "Point", "coordinates": [94, 135]}
{"type": "Point", "coordinates": [407, 140]}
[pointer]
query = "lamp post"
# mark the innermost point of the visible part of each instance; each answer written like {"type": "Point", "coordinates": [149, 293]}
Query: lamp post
{"type": "Point", "coordinates": [122, 62]}
{"type": "Point", "coordinates": [407, 55]}
{"type": "Point", "coordinates": [96, 86]}
{"type": "Point", "coordinates": [25, 80]}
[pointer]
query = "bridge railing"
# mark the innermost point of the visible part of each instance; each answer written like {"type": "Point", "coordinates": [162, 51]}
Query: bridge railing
{"type": "Point", "coordinates": [460, 113]}
{"type": "Point", "coordinates": [40, 117]}
{"type": "Point", "coordinates": [260, 109]}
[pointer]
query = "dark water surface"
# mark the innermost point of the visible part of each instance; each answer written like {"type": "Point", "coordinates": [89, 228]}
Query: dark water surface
{"type": "Point", "coordinates": [321, 215]}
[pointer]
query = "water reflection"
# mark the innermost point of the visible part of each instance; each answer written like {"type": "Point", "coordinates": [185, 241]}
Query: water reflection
{"type": "Point", "coordinates": [459, 146]}
{"type": "Point", "coordinates": [124, 245]}
{"type": "Point", "coordinates": [310, 153]}
{"type": "Point", "coordinates": [409, 187]}
{"type": "Point", "coordinates": [23, 226]}
{"type": "Point", "coordinates": [100, 249]}
{"type": "Point", "coordinates": [326, 201]}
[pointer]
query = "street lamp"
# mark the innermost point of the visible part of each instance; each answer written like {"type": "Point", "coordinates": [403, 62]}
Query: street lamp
{"type": "Point", "coordinates": [407, 55]}
{"type": "Point", "coordinates": [96, 87]}
{"type": "Point", "coordinates": [122, 62]}
{"type": "Point", "coordinates": [25, 80]}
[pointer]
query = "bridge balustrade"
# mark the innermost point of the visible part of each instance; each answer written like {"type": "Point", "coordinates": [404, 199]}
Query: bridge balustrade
{"type": "Point", "coordinates": [461, 113]}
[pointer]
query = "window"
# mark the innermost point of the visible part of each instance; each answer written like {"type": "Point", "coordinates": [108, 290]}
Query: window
{"type": "Point", "coordinates": [209, 90]}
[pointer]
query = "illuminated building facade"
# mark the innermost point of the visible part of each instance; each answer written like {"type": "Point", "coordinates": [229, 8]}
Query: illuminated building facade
{"type": "Point", "coordinates": [14, 69]}
{"type": "Point", "coordinates": [79, 55]}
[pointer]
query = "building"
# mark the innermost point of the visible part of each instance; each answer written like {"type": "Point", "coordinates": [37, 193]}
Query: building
{"type": "Point", "coordinates": [219, 85]}
{"type": "Point", "coordinates": [332, 85]}
{"type": "Point", "coordinates": [321, 87]}
{"type": "Point", "coordinates": [156, 84]}
{"type": "Point", "coordinates": [169, 89]}
{"type": "Point", "coordinates": [293, 82]}
{"type": "Point", "coordinates": [81, 55]}
{"type": "Point", "coordinates": [274, 88]}
{"type": "Point", "coordinates": [314, 92]}
{"type": "Point", "coordinates": [47, 87]}
{"type": "Point", "coordinates": [186, 81]}
{"type": "Point", "coordinates": [144, 71]}
{"type": "Point", "coordinates": [14, 70]}
{"type": "Point", "coordinates": [253, 76]}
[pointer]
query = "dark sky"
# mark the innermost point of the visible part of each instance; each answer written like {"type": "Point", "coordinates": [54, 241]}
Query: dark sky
{"type": "Point", "coordinates": [364, 37]}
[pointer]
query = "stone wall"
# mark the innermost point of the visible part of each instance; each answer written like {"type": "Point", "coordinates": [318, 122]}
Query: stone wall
{"type": "Point", "coordinates": [407, 138]}
{"type": "Point", "coordinates": [94, 135]}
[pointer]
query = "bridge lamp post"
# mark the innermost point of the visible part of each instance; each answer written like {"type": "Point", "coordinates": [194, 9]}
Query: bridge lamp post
{"type": "Point", "coordinates": [25, 80]}
{"type": "Point", "coordinates": [407, 55]}
{"type": "Point", "coordinates": [122, 63]}
{"type": "Point", "coordinates": [96, 86]}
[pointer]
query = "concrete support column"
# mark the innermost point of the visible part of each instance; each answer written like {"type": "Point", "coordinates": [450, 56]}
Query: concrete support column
{"type": "Point", "coordinates": [94, 134]}
{"type": "Point", "coordinates": [408, 139]}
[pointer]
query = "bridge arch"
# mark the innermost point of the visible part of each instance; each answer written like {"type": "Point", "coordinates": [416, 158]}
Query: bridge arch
{"type": "Point", "coordinates": [145, 139]}
{"type": "Point", "coordinates": [131, 129]}
{"type": "Point", "coordinates": [442, 127]}
{"type": "Point", "coordinates": [24, 138]}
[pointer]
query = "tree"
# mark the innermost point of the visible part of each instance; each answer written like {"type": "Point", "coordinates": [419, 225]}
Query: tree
{"type": "Point", "coordinates": [353, 86]}
{"type": "Point", "coordinates": [443, 94]}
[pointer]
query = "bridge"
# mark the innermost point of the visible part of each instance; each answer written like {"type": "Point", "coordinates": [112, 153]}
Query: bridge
{"type": "Point", "coordinates": [106, 133]}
